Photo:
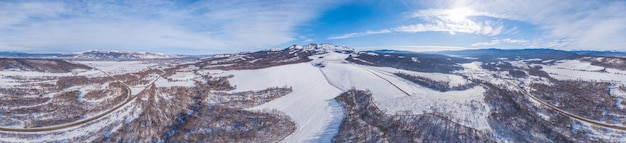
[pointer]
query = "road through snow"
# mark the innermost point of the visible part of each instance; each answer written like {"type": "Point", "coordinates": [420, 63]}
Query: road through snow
{"type": "Point", "coordinates": [129, 97]}
{"type": "Point", "coordinates": [573, 116]}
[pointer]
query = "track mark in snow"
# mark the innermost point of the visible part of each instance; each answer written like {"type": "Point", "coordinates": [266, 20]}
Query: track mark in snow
{"type": "Point", "coordinates": [326, 77]}
{"type": "Point", "coordinates": [385, 80]}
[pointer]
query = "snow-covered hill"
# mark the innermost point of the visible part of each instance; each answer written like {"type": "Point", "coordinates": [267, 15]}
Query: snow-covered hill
{"type": "Point", "coordinates": [322, 48]}
{"type": "Point", "coordinates": [119, 55]}
{"type": "Point", "coordinates": [94, 55]}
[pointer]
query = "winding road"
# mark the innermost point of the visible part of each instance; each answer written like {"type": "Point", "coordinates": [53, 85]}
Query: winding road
{"type": "Point", "coordinates": [579, 118]}
{"type": "Point", "coordinates": [129, 97]}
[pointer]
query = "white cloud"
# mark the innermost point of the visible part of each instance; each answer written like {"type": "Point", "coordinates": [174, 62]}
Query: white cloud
{"type": "Point", "coordinates": [453, 21]}
{"type": "Point", "coordinates": [515, 41]}
{"type": "Point", "coordinates": [358, 34]}
{"type": "Point", "coordinates": [490, 43]}
{"type": "Point", "coordinates": [429, 48]}
{"type": "Point", "coordinates": [496, 42]}
{"type": "Point", "coordinates": [16, 13]}
{"type": "Point", "coordinates": [201, 27]}
{"type": "Point", "coordinates": [441, 20]}
{"type": "Point", "coordinates": [467, 26]}
{"type": "Point", "coordinates": [415, 48]}
{"type": "Point", "coordinates": [599, 25]}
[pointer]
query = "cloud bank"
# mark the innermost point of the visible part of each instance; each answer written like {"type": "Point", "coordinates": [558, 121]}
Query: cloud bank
{"type": "Point", "coordinates": [577, 24]}
{"type": "Point", "coordinates": [162, 26]}
{"type": "Point", "coordinates": [496, 42]}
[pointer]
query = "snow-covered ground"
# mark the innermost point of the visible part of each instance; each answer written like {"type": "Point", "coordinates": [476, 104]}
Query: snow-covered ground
{"type": "Point", "coordinates": [35, 80]}
{"type": "Point", "coordinates": [117, 67]}
{"type": "Point", "coordinates": [578, 70]}
{"type": "Point", "coordinates": [392, 98]}
{"type": "Point", "coordinates": [310, 104]}
{"type": "Point", "coordinates": [162, 82]}
{"type": "Point", "coordinates": [458, 103]}
{"type": "Point", "coordinates": [182, 79]}
{"type": "Point", "coordinates": [619, 94]}
{"type": "Point", "coordinates": [116, 118]}
{"type": "Point", "coordinates": [46, 74]}
{"type": "Point", "coordinates": [453, 80]}
{"type": "Point", "coordinates": [576, 65]}
{"type": "Point", "coordinates": [318, 116]}
{"type": "Point", "coordinates": [474, 71]}
{"type": "Point", "coordinates": [347, 76]}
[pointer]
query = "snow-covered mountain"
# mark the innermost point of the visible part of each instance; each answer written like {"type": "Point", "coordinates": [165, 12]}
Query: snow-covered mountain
{"type": "Point", "coordinates": [94, 55]}
{"type": "Point", "coordinates": [119, 55]}
{"type": "Point", "coordinates": [321, 48]}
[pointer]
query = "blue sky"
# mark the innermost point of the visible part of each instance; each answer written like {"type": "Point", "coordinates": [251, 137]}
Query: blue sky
{"type": "Point", "coordinates": [207, 27]}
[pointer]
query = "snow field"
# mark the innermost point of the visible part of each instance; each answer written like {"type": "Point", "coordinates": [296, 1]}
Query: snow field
{"type": "Point", "coordinates": [576, 65]}
{"type": "Point", "coordinates": [316, 113]}
{"type": "Point", "coordinates": [391, 99]}
{"type": "Point", "coordinates": [329, 57]}
{"type": "Point", "coordinates": [31, 79]}
{"type": "Point", "coordinates": [162, 82]}
{"type": "Point", "coordinates": [347, 76]}
{"type": "Point", "coordinates": [577, 70]}
{"type": "Point", "coordinates": [180, 78]}
{"type": "Point", "coordinates": [309, 105]}
{"type": "Point", "coordinates": [28, 74]}
{"type": "Point", "coordinates": [453, 80]}
{"type": "Point", "coordinates": [118, 67]}
{"type": "Point", "coordinates": [474, 71]}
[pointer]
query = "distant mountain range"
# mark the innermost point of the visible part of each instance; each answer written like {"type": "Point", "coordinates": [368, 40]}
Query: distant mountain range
{"type": "Point", "coordinates": [530, 53]}
{"type": "Point", "coordinates": [93, 55]}
{"type": "Point", "coordinates": [483, 54]}
{"type": "Point", "coordinates": [493, 54]}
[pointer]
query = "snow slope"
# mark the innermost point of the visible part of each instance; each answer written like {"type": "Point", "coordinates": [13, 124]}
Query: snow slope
{"type": "Point", "coordinates": [390, 91]}
{"type": "Point", "coordinates": [318, 116]}
{"type": "Point", "coordinates": [310, 105]}
{"type": "Point", "coordinates": [453, 80]}
{"type": "Point", "coordinates": [392, 98]}
{"type": "Point", "coordinates": [347, 76]}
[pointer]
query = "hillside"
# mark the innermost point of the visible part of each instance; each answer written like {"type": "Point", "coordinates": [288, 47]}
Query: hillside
{"type": "Point", "coordinates": [39, 65]}
{"type": "Point", "coordinates": [93, 55]}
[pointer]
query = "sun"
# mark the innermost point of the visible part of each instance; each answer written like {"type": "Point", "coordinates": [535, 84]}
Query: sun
{"type": "Point", "coordinates": [458, 14]}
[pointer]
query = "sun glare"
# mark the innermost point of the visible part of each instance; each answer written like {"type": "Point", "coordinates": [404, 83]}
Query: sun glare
{"type": "Point", "coordinates": [459, 14]}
